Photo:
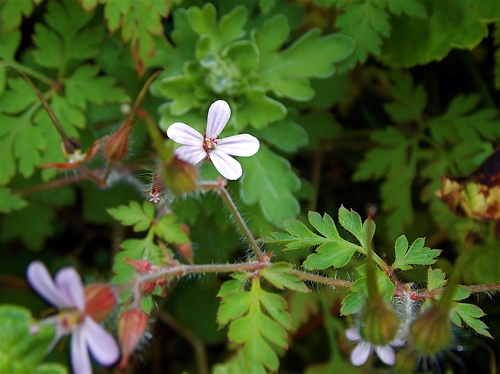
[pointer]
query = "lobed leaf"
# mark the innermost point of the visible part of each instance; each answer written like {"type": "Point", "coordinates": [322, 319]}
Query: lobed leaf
{"type": "Point", "coordinates": [279, 276]}
{"type": "Point", "coordinates": [416, 254]}
{"type": "Point", "coordinates": [470, 315]}
{"type": "Point", "coordinates": [258, 332]}
{"type": "Point", "coordinates": [141, 217]}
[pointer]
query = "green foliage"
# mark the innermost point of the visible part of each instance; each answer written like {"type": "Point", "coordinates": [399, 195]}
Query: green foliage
{"type": "Point", "coordinates": [332, 249]}
{"type": "Point", "coordinates": [258, 320]}
{"type": "Point", "coordinates": [20, 350]}
{"type": "Point", "coordinates": [416, 254]}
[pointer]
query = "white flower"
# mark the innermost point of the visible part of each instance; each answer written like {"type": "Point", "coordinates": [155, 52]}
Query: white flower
{"type": "Point", "coordinates": [196, 147]}
{"type": "Point", "coordinates": [67, 294]}
{"type": "Point", "coordinates": [360, 354]}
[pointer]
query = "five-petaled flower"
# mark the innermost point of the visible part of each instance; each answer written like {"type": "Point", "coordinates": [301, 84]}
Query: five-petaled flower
{"type": "Point", "coordinates": [75, 317]}
{"type": "Point", "coordinates": [196, 147]}
{"type": "Point", "coordinates": [360, 354]}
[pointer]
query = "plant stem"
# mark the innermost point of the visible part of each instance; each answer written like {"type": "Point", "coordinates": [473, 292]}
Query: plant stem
{"type": "Point", "coordinates": [183, 270]}
{"type": "Point", "coordinates": [242, 224]}
{"type": "Point", "coordinates": [321, 280]}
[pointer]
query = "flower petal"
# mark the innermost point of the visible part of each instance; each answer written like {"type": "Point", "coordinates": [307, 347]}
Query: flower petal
{"type": "Point", "coordinates": [226, 165]}
{"type": "Point", "coordinates": [80, 360]}
{"type": "Point", "coordinates": [386, 354]}
{"type": "Point", "coordinates": [361, 353]}
{"type": "Point", "coordinates": [218, 115]}
{"type": "Point", "coordinates": [41, 281]}
{"type": "Point", "coordinates": [191, 154]}
{"type": "Point", "coordinates": [69, 282]}
{"type": "Point", "coordinates": [101, 343]}
{"type": "Point", "coordinates": [183, 134]}
{"type": "Point", "coordinates": [353, 334]}
{"type": "Point", "coordinates": [239, 145]}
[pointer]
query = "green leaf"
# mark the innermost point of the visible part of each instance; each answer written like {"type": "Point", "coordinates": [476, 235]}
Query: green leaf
{"type": "Point", "coordinates": [170, 231]}
{"type": "Point", "coordinates": [356, 299]}
{"type": "Point", "coordinates": [204, 22]}
{"type": "Point", "coordinates": [409, 101]}
{"type": "Point", "coordinates": [332, 250]}
{"type": "Point", "coordinates": [435, 277]}
{"type": "Point", "coordinates": [449, 24]}
{"type": "Point", "coordinates": [296, 135]}
{"type": "Point", "coordinates": [66, 36]}
{"type": "Point", "coordinates": [86, 86]}
{"type": "Point", "coordinates": [20, 350]}
{"type": "Point", "coordinates": [14, 225]}
{"type": "Point", "coordinates": [417, 254]}
{"type": "Point", "coordinates": [10, 201]}
{"type": "Point", "coordinates": [12, 12]}
{"type": "Point", "coordinates": [279, 276]}
{"type": "Point", "coordinates": [367, 24]}
{"type": "Point", "coordinates": [287, 72]}
{"type": "Point", "coordinates": [269, 180]}
{"type": "Point", "coordinates": [470, 315]}
{"type": "Point", "coordinates": [258, 110]}
{"type": "Point", "coordinates": [251, 326]}
{"type": "Point", "coordinates": [134, 215]}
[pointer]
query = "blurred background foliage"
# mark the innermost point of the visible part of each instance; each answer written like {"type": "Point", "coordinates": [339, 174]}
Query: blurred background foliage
{"type": "Point", "coordinates": [356, 102]}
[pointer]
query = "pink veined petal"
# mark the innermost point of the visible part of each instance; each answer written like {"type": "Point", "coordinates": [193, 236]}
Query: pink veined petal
{"type": "Point", "coordinates": [101, 343]}
{"type": "Point", "coordinates": [40, 279]}
{"type": "Point", "coordinates": [361, 353]}
{"type": "Point", "coordinates": [191, 154]}
{"type": "Point", "coordinates": [386, 354]}
{"type": "Point", "coordinates": [80, 360]}
{"type": "Point", "coordinates": [239, 145]}
{"type": "Point", "coordinates": [226, 165]}
{"type": "Point", "coordinates": [218, 115]}
{"type": "Point", "coordinates": [69, 282]}
{"type": "Point", "coordinates": [353, 334]}
{"type": "Point", "coordinates": [183, 134]}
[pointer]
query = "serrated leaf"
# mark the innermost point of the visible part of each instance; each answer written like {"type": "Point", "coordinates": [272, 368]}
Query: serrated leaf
{"type": "Point", "coordinates": [287, 72]}
{"type": "Point", "coordinates": [141, 217]}
{"type": "Point", "coordinates": [448, 25]}
{"type": "Point", "coordinates": [417, 254]}
{"type": "Point", "coordinates": [470, 315]}
{"type": "Point", "coordinates": [279, 276]}
{"type": "Point", "coordinates": [258, 110]}
{"type": "Point", "coordinates": [65, 37]}
{"type": "Point", "coordinates": [170, 231]}
{"type": "Point", "coordinates": [12, 12]}
{"type": "Point", "coordinates": [84, 85]}
{"type": "Point", "coordinates": [409, 101]}
{"type": "Point", "coordinates": [351, 221]}
{"type": "Point", "coordinates": [435, 277]}
{"type": "Point", "coordinates": [253, 328]}
{"type": "Point", "coordinates": [269, 180]}
{"type": "Point", "coordinates": [367, 23]}
{"type": "Point", "coordinates": [332, 250]}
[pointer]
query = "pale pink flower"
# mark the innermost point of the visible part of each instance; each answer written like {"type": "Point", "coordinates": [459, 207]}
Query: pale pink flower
{"type": "Point", "coordinates": [197, 147]}
{"type": "Point", "coordinates": [364, 349]}
{"type": "Point", "coordinates": [67, 295]}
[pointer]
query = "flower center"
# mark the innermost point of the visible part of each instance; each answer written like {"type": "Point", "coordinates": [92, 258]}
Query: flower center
{"type": "Point", "coordinates": [210, 143]}
{"type": "Point", "coordinates": [69, 319]}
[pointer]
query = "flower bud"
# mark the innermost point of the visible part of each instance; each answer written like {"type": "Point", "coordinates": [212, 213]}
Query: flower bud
{"type": "Point", "coordinates": [181, 176]}
{"type": "Point", "coordinates": [431, 332]}
{"type": "Point", "coordinates": [99, 301]}
{"type": "Point", "coordinates": [379, 324]}
{"type": "Point", "coordinates": [141, 266]}
{"type": "Point", "coordinates": [131, 327]}
{"type": "Point", "coordinates": [186, 250]}
{"type": "Point", "coordinates": [116, 147]}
